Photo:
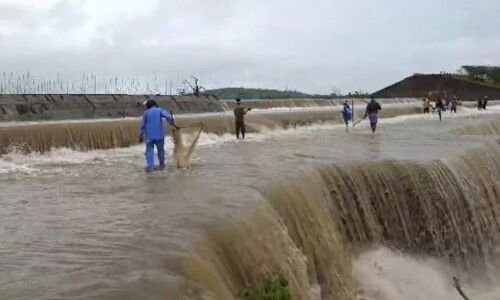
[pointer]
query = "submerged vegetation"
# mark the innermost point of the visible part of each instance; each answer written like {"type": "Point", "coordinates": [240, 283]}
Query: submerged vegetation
{"type": "Point", "coordinates": [274, 289]}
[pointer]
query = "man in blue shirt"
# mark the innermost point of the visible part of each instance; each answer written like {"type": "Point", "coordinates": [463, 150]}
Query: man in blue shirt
{"type": "Point", "coordinates": [346, 114]}
{"type": "Point", "coordinates": [153, 133]}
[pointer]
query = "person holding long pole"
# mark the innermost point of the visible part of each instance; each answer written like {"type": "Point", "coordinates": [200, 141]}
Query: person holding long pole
{"type": "Point", "coordinates": [346, 114]}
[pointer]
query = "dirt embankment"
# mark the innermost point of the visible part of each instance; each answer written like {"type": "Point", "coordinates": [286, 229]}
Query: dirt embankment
{"type": "Point", "coordinates": [419, 86]}
{"type": "Point", "coordinates": [54, 107]}
{"type": "Point", "coordinates": [35, 107]}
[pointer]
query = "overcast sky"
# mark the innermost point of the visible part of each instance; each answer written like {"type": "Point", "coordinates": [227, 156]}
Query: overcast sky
{"type": "Point", "coordinates": [306, 45]}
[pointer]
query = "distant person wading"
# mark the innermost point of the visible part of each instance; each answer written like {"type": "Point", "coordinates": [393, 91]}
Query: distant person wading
{"type": "Point", "coordinates": [454, 104]}
{"type": "Point", "coordinates": [346, 114]}
{"type": "Point", "coordinates": [153, 133]}
{"type": "Point", "coordinates": [440, 107]}
{"type": "Point", "coordinates": [427, 105]}
{"type": "Point", "coordinates": [371, 112]}
{"type": "Point", "coordinates": [239, 118]}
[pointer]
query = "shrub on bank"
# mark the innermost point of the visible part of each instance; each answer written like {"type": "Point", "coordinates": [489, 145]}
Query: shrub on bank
{"type": "Point", "coordinates": [274, 289]}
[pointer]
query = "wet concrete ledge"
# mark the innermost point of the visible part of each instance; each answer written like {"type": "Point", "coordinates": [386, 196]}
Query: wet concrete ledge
{"type": "Point", "coordinates": [22, 107]}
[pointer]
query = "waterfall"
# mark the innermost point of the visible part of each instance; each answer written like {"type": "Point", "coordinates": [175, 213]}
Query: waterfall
{"type": "Point", "coordinates": [308, 228]}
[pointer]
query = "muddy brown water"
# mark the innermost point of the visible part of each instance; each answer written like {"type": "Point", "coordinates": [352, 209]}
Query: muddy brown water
{"type": "Point", "coordinates": [93, 225]}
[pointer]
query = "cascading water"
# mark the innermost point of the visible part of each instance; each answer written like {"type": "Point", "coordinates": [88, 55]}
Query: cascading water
{"type": "Point", "coordinates": [107, 135]}
{"type": "Point", "coordinates": [306, 227]}
{"type": "Point", "coordinates": [489, 128]}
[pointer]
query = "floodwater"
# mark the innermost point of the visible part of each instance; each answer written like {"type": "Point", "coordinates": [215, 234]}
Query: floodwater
{"type": "Point", "coordinates": [94, 225]}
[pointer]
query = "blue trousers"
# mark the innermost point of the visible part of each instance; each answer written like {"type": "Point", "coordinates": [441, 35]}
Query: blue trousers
{"type": "Point", "coordinates": [150, 153]}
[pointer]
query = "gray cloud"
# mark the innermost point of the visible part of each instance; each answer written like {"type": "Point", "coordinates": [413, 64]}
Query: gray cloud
{"type": "Point", "coordinates": [65, 15]}
{"type": "Point", "coordinates": [311, 46]}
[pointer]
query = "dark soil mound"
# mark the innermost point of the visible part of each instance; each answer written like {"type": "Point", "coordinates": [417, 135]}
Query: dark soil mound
{"type": "Point", "coordinates": [419, 86]}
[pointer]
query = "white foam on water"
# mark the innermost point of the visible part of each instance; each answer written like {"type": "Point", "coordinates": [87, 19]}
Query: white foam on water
{"type": "Point", "coordinates": [383, 274]}
{"type": "Point", "coordinates": [7, 167]}
{"type": "Point", "coordinates": [60, 156]}
{"type": "Point", "coordinates": [33, 163]}
{"type": "Point", "coordinates": [462, 112]}
{"type": "Point", "coordinates": [323, 108]}
{"type": "Point", "coordinates": [197, 115]}
{"type": "Point", "coordinates": [210, 139]}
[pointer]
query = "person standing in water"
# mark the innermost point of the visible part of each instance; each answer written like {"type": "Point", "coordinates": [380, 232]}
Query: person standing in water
{"type": "Point", "coordinates": [153, 133]}
{"type": "Point", "coordinates": [371, 112]}
{"type": "Point", "coordinates": [239, 118]}
{"type": "Point", "coordinates": [446, 104]}
{"type": "Point", "coordinates": [454, 104]}
{"type": "Point", "coordinates": [346, 114]}
{"type": "Point", "coordinates": [479, 104]}
{"type": "Point", "coordinates": [427, 105]}
{"type": "Point", "coordinates": [485, 102]}
{"type": "Point", "coordinates": [440, 107]}
{"type": "Point", "coordinates": [433, 106]}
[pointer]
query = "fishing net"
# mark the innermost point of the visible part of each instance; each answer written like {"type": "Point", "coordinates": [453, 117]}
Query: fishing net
{"type": "Point", "coordinates": [185, 140]}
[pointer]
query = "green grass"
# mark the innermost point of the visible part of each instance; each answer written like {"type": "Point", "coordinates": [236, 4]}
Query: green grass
{"type": "Point", "coordinates": [250, 93]}
{"type": "Point", "coordinates": [488, 84]}
{"type": "Point", "coordinates": [255, 93]}
{"type": "Point", "coordinates": [274, 289]}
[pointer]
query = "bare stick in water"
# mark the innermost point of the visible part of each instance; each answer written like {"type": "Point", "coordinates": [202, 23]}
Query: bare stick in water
{"type": "Point", "coordinates": [456, 284]}
{"type": "Point", "coordinates": [357, 122]}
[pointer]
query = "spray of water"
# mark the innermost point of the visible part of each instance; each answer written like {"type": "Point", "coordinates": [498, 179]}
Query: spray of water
{"type": "Point", "coordinates": [384, 274]}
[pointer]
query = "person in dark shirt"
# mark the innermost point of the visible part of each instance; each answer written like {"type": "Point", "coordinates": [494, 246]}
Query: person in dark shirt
{"type": "Point", "coordinates": [371, 112]}
{"type": "Point", "coordinates": [239, 118]}
{"type": "Point", "coordinates": [454, 104]}
{"type": "Point", "coordinates": [440, 107]}
{"type": "Point", "coordinates": [479, 104]}
{"type": "Point", "coordinates": [485, 102]}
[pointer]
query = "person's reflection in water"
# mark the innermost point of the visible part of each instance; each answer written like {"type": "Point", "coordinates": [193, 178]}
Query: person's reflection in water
{"type": "Point", "coordinates": [153, 187]}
